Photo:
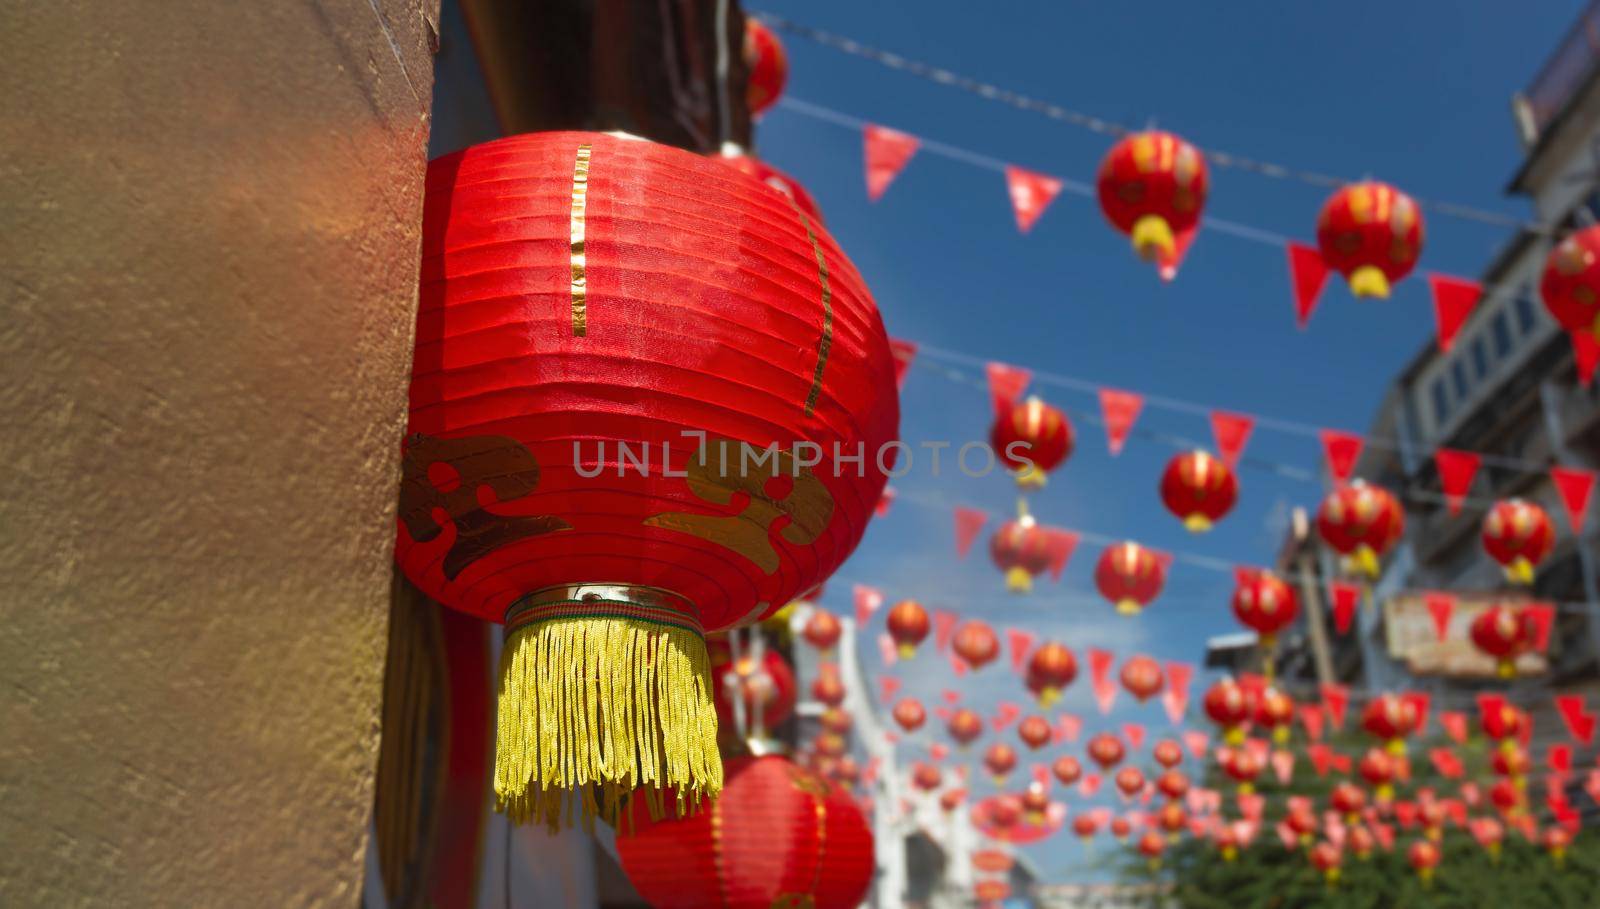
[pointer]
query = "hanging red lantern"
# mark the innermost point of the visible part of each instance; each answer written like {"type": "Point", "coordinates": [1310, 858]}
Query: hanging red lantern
{"type": "Point", "coordinates": [1152, 187]}
{"type": "Point", "coordinates": [1129, 781]}
{"type": "Point", "coordinates": [965, 726]}
{"type": "Point", "coordinates": [1051, 669]}
{"type": "Point", "coordinates": [778, 180]}
{"type": "Point", "coordinates": [1361, 523]}
{"type": "Point", "coordinates": [767, 687]}
{"type": "Point", "coordinates": [556, 268]}
{"type": "Point", "coordinates": [1264, 603]}
{"type": "Point", "coordinates": [1504, 724]}
{"type": "Point", "coordinates": [1503, 633]}
{"type": "Point", "coordinates": [926, 777]}
{"type": "Point", "coordinates": [778, 836]}
{"type": "Point", "coordinates": [1511, 760]}
{"type": "Point", "coordinates": [908, 625]}
{"type": "Point", "coordinates": [1390, 718]}
{"type": "Point", "coordinates": [1174, 784]}
{"type": "Point", "coordinates": [1243, 765]}
{"type": "Point", "coordinates": [1225, 703]}
{"type": "Point", "coordinates": [831, 745]}
{"type": "Point", "coordinates": [1120, 828]}
{"type": "Point", "coordinates": [827, 687]}
{"type": "Point", "coordinates": [910, 714]}
{"type": "Point", "coordinates": [1349, 800]}
{"type": "Point", "coordinates": [1489, 833]}
{"type": "Point", "coordinates": [991, 892]}
{"type": "Point", "coordinates": [975, 642]}
{"type": "Point", "coordinates": [1378, 768]}
{"type": "Point", "coordinates": [1519, 536]}
{"type": "Point", "coordinates": [836, 720]}
{"type": "Point", "coordinates": [1556, 841]}
{"type": "Point", "coordinates": [1151, 845]}
{"type": "Point", "coordinates": [1361, 842]}
{"type": "Point", "coordinates": [1172, 819]}
{"type": "Point", "coordinates": [1031, 439]}
{"type": "Point", "coordinates": [1168, 753]}
{"type": "Point", "coordinates": [1034, 732]}
{"type": "Point", "coordinates": [1302, 822]}
{"type": "Point", "coordinates": [1067, 769]}
{"type": "Point", "coordinates": [1142, 677]}
{"type": "Point", "coordinates": [1424, 858]}
{"type": "Point", "coordinates": [1130, 576]}
{"type": "Point", "coordinates": [822, 630]}
{"type": "Point", "coordinates": [1506, 795]}
{"type": "Point", "coordinates": [768, 66]}
{"type": "Point", "coordinates": [1004, 811]}
{"type": "Point", "coordinates": [1035, 802]}
{"type": "Point", "coordinates": [1085, 826]}
{"type": "Point", "coordinates": [1106, 750]}
{"type": "Point", "coordinates": [845, 773]}
{"type": "Point", "coordinates": [1570, 286]}
{"type": "Point", "coordinates": [951, 799]}
{"type": "Point", "coordinates": [1227, 842]}
{"type": "Point", "coordinates": [1022, 550]}
{"type": "Point", "coordinates": [1326, 858]}
{"type": "Point", "coordinates": [1275, 711]}
{"type": "Point", "coordinates": [1000, 760]}
{"type": "Point", "coordinates": [1372, 234]}
{"type": "Point", "coordinates": [1199, 489]}
{"type": "Point", "coordinates": [993, 861]}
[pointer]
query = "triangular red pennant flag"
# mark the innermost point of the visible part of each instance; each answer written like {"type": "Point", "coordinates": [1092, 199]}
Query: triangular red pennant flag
{"type": "Point", "coordinates": [1580, 723]}
{"type": "Point", "coordinates": [1105, 693]}
{"type": "Point", "coordinates": [1119, 410]}
{"type": "Point", "coordinates": [1134, 733]}
{"type": "Point", "coordinates": [1542, 615]}
{"type": "Point", "coordinates": [1308, 273]}
{"type": "Point", "coordinates": [1406, 813]}
{"type": "Point", "coordinates": [1453, 300]}
{"type": "Point", "coordinates": [944, 626]}
{"type": "Point", "coordinates": [1336, 698]}
{"type": "Point", "coordinates": [938, 751]}
{"type": "Point", "coordinates": [1167, 265]}
{"type": "Point", "coordinates": [887, 650]}
{"type": "Point", "coordinates": [1559, 758]}
{"type": "Point", "coordinates": [1006, 385]}
{"type": "Point", "coordinates": [957, 664]}
{"type": "Point", "coordinates": [888, 686]}
{"type": "Point", "coordinates": [1311, 717]}
{"type": "Point", "coordinates": [887, 152]}
{"type": "Point", "coordinates": [950, 696]}
{"type": "Point", "coordinates": [1020, 643]}
{"type": "Point", "coordinates": [1232, 431]}
{"type": "Point", "coordinates": [1283, 765]}
{"type": "Point", "coordinates": [1341, 450]}
{"type": "Point", "coordinates": [1005, 714]}
{"type": "Point", "coordinates": [1585, 354]}
{"type": "Point", "coordinates": [1088, 785]}
{"type": "Point", "coordinates": [1576, 487]}
{"type": "Point", "coordinates": [904, 352]}
{"type": "Point", "coordinates": [1067, 728]}
{"type": "Point", "coordinates": [1455, 725]}
{"type": "Point", "coordinates": [968, 522]}
{"type": "Point", "coordinates": [1420, 701]}
{"type": "Point", "coordinates": [1346, 597]}
{"type": "Point", "coordinates": [1440, 606]}
{"type": "Point", "coordinates": [943, 713]}
{"type": "Point", "coordinates": [884, 501]}
{"type": "Point", "coordinates": [1031, 193]}
{"type": "Point", "coordinates": [1340, 762]}
{"type": "Point", "coordinates": [1456, 470]}
{"type": "Point", "coordinates": [1197, 742]}
{"type": "Point", "coordinates": [868, 599]}
{"type": "Point", "coordinates": [1041, 775]}
{"type": "Point", "coordinates": [1489, 705]}
{"type": "Point", "coordinates": [1059, 544]}
{"type": "Point", "coordinates": [1176, 698]}
{"type": "Point", "coordinates": [1321, 756]}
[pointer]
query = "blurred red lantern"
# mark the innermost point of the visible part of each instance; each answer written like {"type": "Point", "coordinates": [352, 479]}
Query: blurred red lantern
{"type": "Point", "coordinates": [926, 777]}
{"type": "Point", "coordinates": [1173, 784]}
{"type": "Point", "coordinates": [1152, 187]}
{"type": "Point", "coordinates": [830, 744]}
{"type": "Point", "coordinates": [1275, 711]}
{"type": "Point", "coordinates": [1511, 760]}
{"type": "Point", "coordinates": [550, 285]}
{"type": "Point", "coordinates": [993, 861]}
{"type": "Point", "coordinates": [1556, 841]}
{"type": "Point", "coordinates": [965, 726]}
{"type": "Point", "coordinates": [1022, 550]}
{"type": "Point", "coordinates": [1378, 768]}
{"type": "Point", "coordinates": [1032, 439]}
{"type": "Point", "coordinates": [1085, 826]}
{"type": "Point", "coordinates": [1326, 858]}
{"type": "Point", "coordinates": [778, 180]}
{"type": "Point", "coordinates": [1227, 842]}
{"type": "Point", "coordinates": [1034, 732]}
{"type": "Point", "coordinates": [1302, 822]}
{"type": "Point", "coordinates": [991, 892]}
{"type": "Point", "coordinates": [845, 772]}
{"type": "Point", "coordinates": [1504, 724]}
{"type": "Point", "coordinates": [1130, 576]}
{"type": "Point", "coordinates": [1142, 677]}
{"type": "Point", "coordinates": [1051, 668]}
{"type": "Point", "coordinates": [1000, 760]}
{"type": "Point", "coordinates": [910, 714]}
{"type": "Point", "coordinates": [1199, 489]}
{"type": "Point", "coordinates": [1506, 795]}
{"type": "Point", "coordinates": [1390, 718]}
{"type": "Point", "coordinates": [1106, 750]}
{"type": "Point", "coordinates": [1489, 833]}
{"type": "Point", "coordinates": [767, 687]}
{"type": "Point", "coordinates": [1129, 780]}
{"type": "Point", "coordinates": [1067, 769]}
{"type": "Point", "coordinates": [1243, 765]}
{"type": "Point", "coordinates": [1225, 703]}
{"type": "Point", "coordinates": [1172, 818]}
{"type": "Point", "coordinates": [1571, 282]}
{"type": "Point", "coordinates": [976, 643]}
{"type": "Point", "coordinates": [1432, 814]}
{"type": "Point", "coordinates": [1005, 811]}
{"type": "Point", "coordinates": [768, 66]}
{"type": "Point", "coordinates": [1152, 844]}
{"type": "Point", "coordinates": [1361, 842]}
{"type": "Point", "coordinates": [1519, 536]}
{"type": "Point", "coordinates": [951, 799]}
{"type": "Point", "coordinates": [1372, 234]}
{"type": "Point", "coordinates": [1349, 800]}
{"type": "Point", "coordinates": [822, 630]}
{"type": "Point", "coordinates": [1264, 603]}
{"type": "Point", "coordinates": [1361, 523]}
{"type": "Point", "coordinates": [778, 835]}
{"type": "Point", "coordinates": [1035, 802]}
{"type": "Point", "coordinates": [1424, 858]}
{"type": "Point", "coordinates": [1503, 634]}
{"type": "Point", "coordinates": [908, 625]}
{"type": "Point", "coordinates": [836, 720]}
{"type": "Point", "coordinates": [1120, 828]}
{"type": "Point", "coordinates": [827, 687]}
{"type": "Point", "coordinates": [1168, 753]}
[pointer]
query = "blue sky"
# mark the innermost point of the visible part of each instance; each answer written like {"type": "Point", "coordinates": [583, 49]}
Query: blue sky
{"type": "Point", "coordinates": [1416, 94]}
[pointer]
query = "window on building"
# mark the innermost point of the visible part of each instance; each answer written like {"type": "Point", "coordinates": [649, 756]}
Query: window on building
{"type": "Point", "coordinates": [1524, 315]}
{"type": "Point", "coordinates": [1502, 335]}
{"type": "Point", "coordinates": [1480, 358]}
{"type": "Point", "coordinates": [1458, 372]}
{"type": "Point", "coordinates": [1441, 401]}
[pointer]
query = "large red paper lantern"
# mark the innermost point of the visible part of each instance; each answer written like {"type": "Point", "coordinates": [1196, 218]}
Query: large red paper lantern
{"type": "Point", "coordinates": [1051, 668]}
{"type": "Point", "coordinates": [1570, 286]}
{"type": "Point", "coordinates": [779, 835]}
{"type": "Point", "coordinates": [909, 714]}
{"type": "Point", "coordinates": [965, 726]}
{"type": "Point", "coordinates": [1022, 550]}
{"type": "Point", "coordinates": [1265, 604]}
{"type": "Point", "coordinates": [1106, 750]}
{"type": "Point", "coordinates": [822, 630]}
{"type": "Point", "coordinates": [1000, 760]}
{"type": "Point", "coordinates": [778, 180]}
{"type": "Point", "coordinates": [1227, 706]}
{"type": "Point", "coordinates": [607, 329]}
{"type": "Point", "coordinates": [1361, 523]}
{"type": "Point", "coordinates": [1372, 234]}
{"type": "Point", "coordinates": [767, 686]}
{"type": "Point", "coordinates": [1199, 489]}
{"type": "Point", "coordinates": [1152, 187]}
{"type": "Point", "coordinates": [975, 642]}
{"type": "Point", "coordinates": [1390, 718]}
{"type": "Point", "coordinates": [768, 65]}
{"type": "Point", "coordinates": [908, 625]}
{"type": "Point", "coordinates": [1503, 633]}
{"type": "Point", "coordinates": [1142, 677]}
{"type": "Point", "coordinates": [1034, 732]}
{"type": "Point", "coordinates": [1130, 576]}
{"type": "Point", "coordinates": [1031, 439]}
{"type": "Point", "coordinates": [1518, 535]}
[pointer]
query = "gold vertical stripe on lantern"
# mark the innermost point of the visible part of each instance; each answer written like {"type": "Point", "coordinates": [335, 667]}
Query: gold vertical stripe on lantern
{"type": "Point", "coordinates": [826, 341]}
{"type": "Point", "coordinates": [580, 206]}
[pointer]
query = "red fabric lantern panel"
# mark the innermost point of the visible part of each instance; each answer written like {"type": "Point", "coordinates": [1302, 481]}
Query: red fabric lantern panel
{"type": "Point", "coordinates": [1051, 668]}
{"type": "Point", "coordinates": [977, 644]}
{"type": "Point", "coordinates": [1519, 536]}
{"type": "Point", "coordinates": [1372, 234]}
{"type": "Point", "coordinates": [1032, 439]}
{"type": "Point", "coordinates": [606, 329]}
{"type": "Point", "coordinates": [1199, 489]}
{"type": "Point", "coordinates": [1570, 286]}
{"type": "Point", "coordinates": [768, 686]}
{"type": "Point", "coordinates": [1361, 523]}
{"type": "Point", "coordinates": [908, 625]}
{"type": "Point", "coordinates": [1130, 576]}
{"type": "Point", "coordinates": [778, 180]}
{"type": "Point", "coordinates": [1142, 677]}
{"type": "Point", "coordinates": [1503, 633]}
{"type": "Point", "coordinates": [1022, 550]}
{"type": "Point", "coordinates": [965, 726]}
{"type": "Point", "coordinates": [768, 65]}
{"type": "Point", "coordinates": [1265, 604]}
{"type": "Point", "coordinates": [779, 836]}
{"type": "Point", "coordinates": [1152, 187]}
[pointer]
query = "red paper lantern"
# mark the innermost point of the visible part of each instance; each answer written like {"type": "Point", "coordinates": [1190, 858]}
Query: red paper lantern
{"type": "Point", "coordinates": [1378, 768]}
{"type": "Point", "coordinates": [845, 772]}
{"type": "Point", "coordinates": [908, 625]}
{"type": "Point", "coordinates": [1361, 842]}
{"type": "Point", "coordinates": [1556, 841]}
{"type": "Point", "coordinates": [1021, 549]}
{"type": "Point", "coordinates": [1326, 858]}
{"type": "Point", "coordinates": [1085, 826]}
{"type": "Point", "coordinates": [1361, 523]}
{"type": "Point", "coordinates": [951, 799]}
{"type": "Point", "coordinates": [1349, 800]}
{"type": "Point", "coordinates": [1067, 769]}
{"type": "Point", "coordinates": [1035, 802]}
{"type": "Point", "coordinates": [910, 714]}
{"type": "Point", "coordinates": [1372, 234]}
{"type": "Point", "coordinates": [830, 745]}
{"type": "Point", "coordinates": [1264, 603]}
{"type": "Point", "coordinates": [965, 726]}
{"type": "Point", "coordinates": [926, 777]}
{"type": "Point", "coordinates": [1227, 842]}
{"type": "Point", "coordinates": [1571, 282]}
{"type": "Point", "coordinates": [993, 861]}
{"type": "Point", "coordinates": [1034, 732]}
{"type": "Point", "coordinates": [991, 892]}
{"type": "Point", "coordinates": [767, 687]}
{"type": "Point", "coordinates": [1275, 711]}
{"type": "Point", "coordinates": [1032, 439]}
{"type": "Point", "coordinates": [1503, 634]}
{"type": "Point", "coordinates": [778, 836]}
{"type": "Point", "coordinates": [1106, 750]}
{"type": "Point", "coordinates": [1519, 536]}
{"type": "Point", "coordinates": [1120, 828]}
{"type": "Point", "coordinates": [1152, 187]}
{"type": "Point", "coordinates": [1130, 576]}
{"type": "Point", "coordinates": [1302, 822]}
{"type": "Point", "coordinates": [1152, 844]}
{"type": "Point", "coordinates": [1506, 795]}
{"type": "Point", "coordinates": [1424, 858]}
{"type": "Point", "coordinates": [1168, 753]}
{"type": "Point", "coordinates": [778, 180]}
{"type": "Point", "coordinates": [1511, 760]}
{"type": "Point", "coordinates": [1173, 784]}
{"type": "Point", "coordinates": [1489, 833]}
{"type": "Point", "coordinates": [1243, 765]}
{"type": "Point", "coordinates": [836, 721]}
{"type": "Point", "coordinates": [1225, 703]}
{"type": "Point", "coordinates": [976, 643]}
{"type": "Point", "coordinates": [1504, 725]}
{"type": "Point", "coordinates": [1199, 489]}
{"type": "Point", "coordinates": [1051, 669]}
{"type": "Point", "coordinates": [1005, 811]}
{"type": "Point", "coordinates": [1129, 780]}
{"type": "Point", "coordinates": [1391, 718]}
{"type": "Point", "coordinates": [1000, 760]}
{"type": "Point", "coordinates": [1172, 818]}
{"type": "Point", "coordinates": [768, 66]}
{"type": "Point", "coordinates": [1142, 677]}
{"type": "Point", "coordinates": [822, 630]}
{"type": "Point", "coordinates": [557, 269]}
{"type": "Point", "coordinates": [827, 687]}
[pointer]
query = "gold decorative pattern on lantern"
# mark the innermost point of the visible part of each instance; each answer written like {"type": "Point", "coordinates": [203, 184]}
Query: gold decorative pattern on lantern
{"type": "Point", "coordinates": [580, 279]}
